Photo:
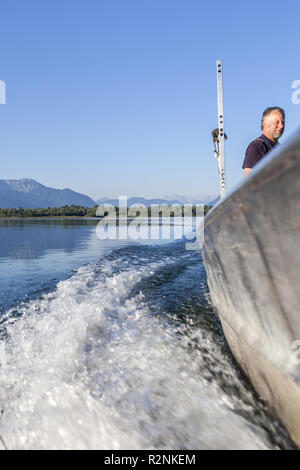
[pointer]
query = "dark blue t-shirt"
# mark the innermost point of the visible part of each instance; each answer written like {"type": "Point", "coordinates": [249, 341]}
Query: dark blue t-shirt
{"type": "Point", "coordinates": [257, 150]}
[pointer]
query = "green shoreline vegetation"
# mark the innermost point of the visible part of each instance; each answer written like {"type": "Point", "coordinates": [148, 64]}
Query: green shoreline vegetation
{"type": "Point", "coordinates": [81, 211]}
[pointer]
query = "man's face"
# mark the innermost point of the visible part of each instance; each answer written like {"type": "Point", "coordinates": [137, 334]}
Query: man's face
{"type": "Point", "coordinates": [274, 125]}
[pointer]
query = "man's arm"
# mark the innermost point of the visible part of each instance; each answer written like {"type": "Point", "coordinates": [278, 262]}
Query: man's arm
{"type": "Point", "coordinates": [246, 171]}
{"type": "Point", "coordinates": [254, 153]}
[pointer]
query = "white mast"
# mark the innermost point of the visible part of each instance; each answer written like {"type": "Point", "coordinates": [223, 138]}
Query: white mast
{"type": "Point", "coordinates": [221, 136]}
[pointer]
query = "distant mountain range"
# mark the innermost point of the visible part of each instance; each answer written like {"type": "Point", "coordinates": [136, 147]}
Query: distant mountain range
{"type": "Point", "coordinates": [136, 201]}
{"type": "Point", "coordinates": [30, 194]}
{"type": "Point", "coordinates": [207, 200]}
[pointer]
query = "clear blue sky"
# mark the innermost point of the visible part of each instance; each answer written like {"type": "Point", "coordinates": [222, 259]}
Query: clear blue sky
{"type": "Point", "coordinates": [112, 97]}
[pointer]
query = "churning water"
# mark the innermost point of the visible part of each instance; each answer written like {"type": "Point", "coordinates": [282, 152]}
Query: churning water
{"type": "Point", "coordinates": [124, 352]}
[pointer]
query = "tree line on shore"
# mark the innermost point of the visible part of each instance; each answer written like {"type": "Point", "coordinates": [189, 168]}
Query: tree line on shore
{"type": "Point", "coordinates": [81, 211]}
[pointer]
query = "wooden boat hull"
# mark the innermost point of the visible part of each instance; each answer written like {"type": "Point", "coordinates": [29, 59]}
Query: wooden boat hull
{"type": "Point", "coordinates": [251, 252]}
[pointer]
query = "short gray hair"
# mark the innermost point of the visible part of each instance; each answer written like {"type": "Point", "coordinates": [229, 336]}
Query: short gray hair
{"type": "Point", "coordinates": [268, 111]}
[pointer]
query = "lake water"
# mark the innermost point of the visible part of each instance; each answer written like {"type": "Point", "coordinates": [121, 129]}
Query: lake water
{"type": "Point", "coordinates": [113, 344]}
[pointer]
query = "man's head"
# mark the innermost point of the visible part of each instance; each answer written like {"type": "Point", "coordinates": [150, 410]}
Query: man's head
{"type": "Point", "coordinates": [272, 122]}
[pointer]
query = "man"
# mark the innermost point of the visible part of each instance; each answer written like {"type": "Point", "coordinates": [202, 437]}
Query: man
{"type": "Point", "coordinates": [272, 124]}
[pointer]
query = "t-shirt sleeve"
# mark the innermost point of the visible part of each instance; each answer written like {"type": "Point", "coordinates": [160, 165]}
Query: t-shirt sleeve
{"type": "Point", "coordinates": [254, 154]}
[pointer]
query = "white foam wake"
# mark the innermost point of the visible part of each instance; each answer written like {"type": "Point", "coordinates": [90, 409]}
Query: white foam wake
{"type": "Point", "coordinates": [88, 367]}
